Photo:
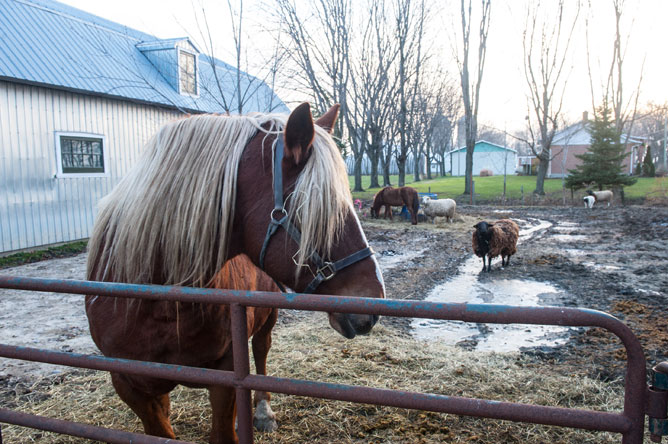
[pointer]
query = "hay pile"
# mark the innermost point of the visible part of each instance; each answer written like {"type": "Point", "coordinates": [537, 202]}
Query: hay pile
{"type": "Point", "coordinates": [309, 349]}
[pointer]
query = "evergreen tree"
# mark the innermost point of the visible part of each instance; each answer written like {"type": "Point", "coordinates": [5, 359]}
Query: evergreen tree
{"type": "Point", "coordinates": [602, 165]}
{"type": "Point", "coordinates": [648, 169]}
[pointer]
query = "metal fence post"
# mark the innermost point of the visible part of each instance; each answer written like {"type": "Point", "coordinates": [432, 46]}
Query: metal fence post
{"type": "Point", "coordinates": [241, 371]}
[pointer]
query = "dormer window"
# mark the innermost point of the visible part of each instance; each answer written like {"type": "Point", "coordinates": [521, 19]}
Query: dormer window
{"type": "Point", "coordinates": [176, 60]}
{"type": "Point", "coordinates": [188, 73]}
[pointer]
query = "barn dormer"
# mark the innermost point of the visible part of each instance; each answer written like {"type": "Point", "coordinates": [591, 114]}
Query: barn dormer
{"type": "Point", "coordinates": [177, 61]}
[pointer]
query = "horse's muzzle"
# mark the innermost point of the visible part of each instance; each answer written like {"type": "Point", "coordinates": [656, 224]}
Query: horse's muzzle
{"type": "Point", "coordinates": [351, 325]}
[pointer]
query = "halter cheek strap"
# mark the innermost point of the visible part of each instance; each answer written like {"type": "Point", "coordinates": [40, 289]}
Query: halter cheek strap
{"type": "Point", "coordinates": [279, 218]}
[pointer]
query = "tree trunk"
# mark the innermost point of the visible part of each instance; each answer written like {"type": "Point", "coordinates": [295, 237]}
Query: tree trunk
{"type": "Point", "coordinates": [357, 171]}
{"type": "Point", "coordinates": [544, 162]}
{"type": "Point", "coordinates": [416, 166]}
{"type": "Point", "coordinates": [402, 172]}
{"type": "Point", "coordinates": [373, 157]}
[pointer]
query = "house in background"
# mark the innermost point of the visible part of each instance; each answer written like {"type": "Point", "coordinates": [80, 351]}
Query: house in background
{"type": "Point", "coordinates": [486, 156]}
{"type": "Point", "coordinates": [576, 139]}
{"type": "Point", "coordinates": [527, 165]}
{"type": "Point", "coordinates": [79, 97]}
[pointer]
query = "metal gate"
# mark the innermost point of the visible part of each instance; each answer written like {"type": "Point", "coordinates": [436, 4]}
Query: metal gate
{"type": "Point", "coordinates": [639, 399]}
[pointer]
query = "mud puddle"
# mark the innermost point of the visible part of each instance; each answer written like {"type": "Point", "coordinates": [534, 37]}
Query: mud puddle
{"type": "Point", "coordinates": [472, 286]}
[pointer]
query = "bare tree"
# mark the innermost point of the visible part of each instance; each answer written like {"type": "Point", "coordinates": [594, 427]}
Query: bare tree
{"type": "Point", "coordinates": [410, 22]}
{"type": "Point", "coordinates": [246, 86]}
{"type": "Point", "coordinates": [546, 42]}
{"type": "Point", "coordinates": [652, 125]}
{"type": "Point", "coordinates": [471, 86]}
{"type": "Point", "coordinates": [624, 107]}
{"type": "Point", "coordinates": [373, 91]}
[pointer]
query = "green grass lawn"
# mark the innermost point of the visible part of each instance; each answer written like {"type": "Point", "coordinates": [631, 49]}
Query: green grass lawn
{"type": "Point", "coordinates": [491, 188]}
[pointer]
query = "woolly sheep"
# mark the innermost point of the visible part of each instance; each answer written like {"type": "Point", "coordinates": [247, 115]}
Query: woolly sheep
{"type": "Point", "coordinates": [495, 239]}
{"type": "Point", "coordinates": [439, 207]}
{"type": "Point", "coordinates": [589, 201]}
{"type": "Point", "coordinates": [601, 196]}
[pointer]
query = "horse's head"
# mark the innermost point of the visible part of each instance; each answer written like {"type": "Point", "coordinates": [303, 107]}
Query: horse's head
{"type": "Point", "coordinates": [297, 222]}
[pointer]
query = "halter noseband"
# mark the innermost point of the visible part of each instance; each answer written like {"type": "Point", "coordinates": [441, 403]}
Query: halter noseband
{"type": "Point", "coordinates": [279, 218]}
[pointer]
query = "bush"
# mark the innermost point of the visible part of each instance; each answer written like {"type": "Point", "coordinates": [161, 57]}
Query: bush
{"type": "Point", "coordinates": [486, 173]}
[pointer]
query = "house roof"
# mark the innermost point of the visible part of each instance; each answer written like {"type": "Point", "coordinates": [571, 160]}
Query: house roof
{"type": "Point", "coordinates": [578, 134]}
{"type": "Point", "coordinates": [483, 145]}
{"type": "Point", "coordinates": [49, 44]}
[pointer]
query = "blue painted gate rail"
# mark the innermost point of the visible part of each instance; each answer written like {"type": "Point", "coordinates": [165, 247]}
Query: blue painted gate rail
{"type": "Point", "coordinates": [639, 399]}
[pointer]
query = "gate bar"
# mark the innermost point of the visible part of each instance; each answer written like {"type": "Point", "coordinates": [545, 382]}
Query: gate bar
{"type": "Point", "coordinates": [81, 430]}
{"type": "Point", "coordinates": [560, 416]}
{"type": "Point", "coordinates": [635, 385]}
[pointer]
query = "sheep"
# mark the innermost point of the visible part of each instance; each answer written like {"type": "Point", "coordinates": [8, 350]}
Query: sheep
{"type": "Point", "coordinates": [601, 196]}
{"type": "Point", "coordinates": [589, 201]}
{"type": "Point", "coordinates": [439, 207]}
{"type": "Point", "coordinates": [493, 239]}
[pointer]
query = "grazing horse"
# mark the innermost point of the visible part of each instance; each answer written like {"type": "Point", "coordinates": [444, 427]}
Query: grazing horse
{"type": "Point", "coordinates": [212, 202]}
{"type": "Point", "coordinates": [390, 196]}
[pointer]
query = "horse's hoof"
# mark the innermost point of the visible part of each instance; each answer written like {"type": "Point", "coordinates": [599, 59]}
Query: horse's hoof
{"type": "Point", "coordinates": [264, 419]}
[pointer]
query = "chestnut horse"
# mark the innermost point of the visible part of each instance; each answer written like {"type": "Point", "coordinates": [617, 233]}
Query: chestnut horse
{"type": "Point", "coordinates": [389, 196]}
{"type": "Point", "coordinates": [212, 199]}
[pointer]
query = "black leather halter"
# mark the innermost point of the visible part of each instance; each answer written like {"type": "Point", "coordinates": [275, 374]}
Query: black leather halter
{"type": "Point", "coordinates": [279, 218]}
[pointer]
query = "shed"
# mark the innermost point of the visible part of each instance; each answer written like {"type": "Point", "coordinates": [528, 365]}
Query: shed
{"type": "Point", "coordinates": [486, 155]}
{"type": "Point", "coordinates": [79, 97]}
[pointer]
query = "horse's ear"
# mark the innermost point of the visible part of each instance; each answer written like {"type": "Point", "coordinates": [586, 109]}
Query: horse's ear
{"type": "Point", "coordinates": [326, 121]}
{"type": "Point", "coordinates": [299, 133]}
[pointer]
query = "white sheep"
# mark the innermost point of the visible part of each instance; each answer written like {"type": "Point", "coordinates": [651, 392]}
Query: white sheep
{"type": "Point", "coordinates": [439, 207]}
{"type": "Point", "coordinates": [601, 196]}
{"type": "Point", "coordinates": [589, 201]}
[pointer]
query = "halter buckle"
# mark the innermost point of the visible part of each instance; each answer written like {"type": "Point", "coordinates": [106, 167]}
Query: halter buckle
{"type": "Point", "coordinates": [327, 268]}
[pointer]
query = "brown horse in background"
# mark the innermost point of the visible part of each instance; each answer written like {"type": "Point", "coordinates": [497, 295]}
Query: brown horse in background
{"type": "Point", "coordinates": [390, 196]}
{"type": "Point", "coordinates": [197, 210]}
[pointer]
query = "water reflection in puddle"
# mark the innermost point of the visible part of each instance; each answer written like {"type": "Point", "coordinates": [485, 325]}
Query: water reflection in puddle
{"type": "Point", "coordinates": [388, 259]}
{"type": "Point", "coordinates": [465, 287]}
{"type": "Point", "coordinates": [570, 237]}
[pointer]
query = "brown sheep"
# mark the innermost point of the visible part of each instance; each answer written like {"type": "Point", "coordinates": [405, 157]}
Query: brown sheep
{"type": "Point", "coordinates": [495, 239]}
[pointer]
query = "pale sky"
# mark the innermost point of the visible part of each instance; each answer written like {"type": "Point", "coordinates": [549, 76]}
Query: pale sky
{"type": "Point", "coordinates": [503, 98]}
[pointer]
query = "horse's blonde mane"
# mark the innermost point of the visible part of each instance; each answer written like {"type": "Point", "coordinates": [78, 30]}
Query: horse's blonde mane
{"type": "Point", "coordinates": [174, 208]}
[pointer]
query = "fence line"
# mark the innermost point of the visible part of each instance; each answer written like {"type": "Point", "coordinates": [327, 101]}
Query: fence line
{"type": "Point", "coordinates": [629, 423]}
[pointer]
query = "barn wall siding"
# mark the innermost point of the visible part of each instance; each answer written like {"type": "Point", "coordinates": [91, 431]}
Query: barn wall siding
{"type": "Point", "coordinates": [36, 208]}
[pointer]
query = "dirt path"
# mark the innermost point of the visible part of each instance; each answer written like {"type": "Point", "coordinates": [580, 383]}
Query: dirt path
{"type": "Point", "coordinates": [610, 259]}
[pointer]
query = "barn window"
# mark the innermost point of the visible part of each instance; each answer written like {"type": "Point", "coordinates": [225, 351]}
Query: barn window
{"type": "Point", "coordinates": [80, 155]}
{"type": "Point", "coordinates": [188, 73]}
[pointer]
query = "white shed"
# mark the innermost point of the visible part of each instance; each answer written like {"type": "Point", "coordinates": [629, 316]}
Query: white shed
{"type": "Point", "coordinates": [486, 156]}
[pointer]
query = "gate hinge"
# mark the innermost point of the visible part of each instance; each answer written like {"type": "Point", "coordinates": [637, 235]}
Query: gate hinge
{"type": "Point", "coordinates": [657, 402]}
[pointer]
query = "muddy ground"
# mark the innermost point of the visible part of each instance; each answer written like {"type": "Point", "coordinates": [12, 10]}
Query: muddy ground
{"type": "Point", "coordinates": [610, 259]}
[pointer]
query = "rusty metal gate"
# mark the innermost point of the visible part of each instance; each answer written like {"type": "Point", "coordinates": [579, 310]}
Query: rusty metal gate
{"type": "Point", "coordinates": [639, 398]}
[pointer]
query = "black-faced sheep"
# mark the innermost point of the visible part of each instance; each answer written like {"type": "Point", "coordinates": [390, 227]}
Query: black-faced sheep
{"type": "Point", "coordinates": [589, 201]}
{"type": "Point", "coordinates": [439, 208]}
{"type": "Point", "coordinates": [495, 239]}
{"type": "Point", "coordinates": [601, 196]}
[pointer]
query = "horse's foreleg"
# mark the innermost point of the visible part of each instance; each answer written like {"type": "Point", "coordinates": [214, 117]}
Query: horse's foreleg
{"type": "Point", "coordinates": [153, 410]}
{"type": "Point", "coordinates": [388, 211]}
{"type": "Point", "coordinates": [223, 408]}
{"type": "Point", "coordinates": [264, 418]}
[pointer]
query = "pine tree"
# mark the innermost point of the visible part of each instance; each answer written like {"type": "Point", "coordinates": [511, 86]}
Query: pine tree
{"type": "Point", "coordinates": [648, 169]}
{"type": "Point", "coordinates": [602, 165]}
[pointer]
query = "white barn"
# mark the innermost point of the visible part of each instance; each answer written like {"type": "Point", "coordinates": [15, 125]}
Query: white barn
{"type": "Point", "coordinates": [486, 155]}
{"type": "Point", "coordinates": [79, 97]}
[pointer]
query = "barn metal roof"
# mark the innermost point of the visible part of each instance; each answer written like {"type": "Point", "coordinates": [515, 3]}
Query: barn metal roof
{"type": "Point", "coordinates": [50, 44]}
